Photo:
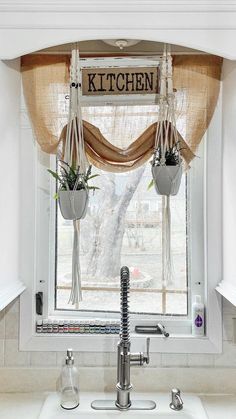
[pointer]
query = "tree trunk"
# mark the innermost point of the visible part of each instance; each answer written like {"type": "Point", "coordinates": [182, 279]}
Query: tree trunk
{"type": "Point", "coordinates": [93, 222]}
{"type": "Point", "coordinates": [112, 230]}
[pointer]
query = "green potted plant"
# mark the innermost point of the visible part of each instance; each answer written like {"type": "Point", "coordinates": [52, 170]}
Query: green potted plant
{"type": "Point", "coordinates": [73, 190]}
{"type": "Point", "coordinates": [167, 170]}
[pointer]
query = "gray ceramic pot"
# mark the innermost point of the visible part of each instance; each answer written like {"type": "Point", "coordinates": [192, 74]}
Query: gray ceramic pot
{"type": "Point", "coordinates": [167, 179]}
{"type": "Point", "coordinates": [73, 204]}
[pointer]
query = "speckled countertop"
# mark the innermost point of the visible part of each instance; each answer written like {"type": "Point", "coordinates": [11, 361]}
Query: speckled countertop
{"type": "Point", "coordinates": [28, 405]}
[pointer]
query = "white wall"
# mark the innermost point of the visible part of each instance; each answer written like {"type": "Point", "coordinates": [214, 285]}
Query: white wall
{"type": "Point", "coordinates": [9, 179]}
{"type": "Point", "coordinates": [229, 172]}
{"type": "Point", "coordinates": [204, 25]}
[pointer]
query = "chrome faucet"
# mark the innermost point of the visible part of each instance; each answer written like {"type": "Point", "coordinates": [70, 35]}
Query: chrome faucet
{"type": "Point", "coordinates": [176, 400]}
{"type": "Point", "coordinates": [125, 358]}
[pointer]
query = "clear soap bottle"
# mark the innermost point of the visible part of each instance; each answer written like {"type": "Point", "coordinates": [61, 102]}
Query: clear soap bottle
{"type": "Point", "coordinates": [69, 383]}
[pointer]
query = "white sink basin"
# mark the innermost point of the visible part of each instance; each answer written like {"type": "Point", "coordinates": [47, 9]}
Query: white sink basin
{"type": "Point", "coordinates": [192, 409]}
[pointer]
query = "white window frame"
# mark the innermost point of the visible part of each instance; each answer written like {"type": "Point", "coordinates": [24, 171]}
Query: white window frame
{"type": "Point", "coordinates": [178, 342]}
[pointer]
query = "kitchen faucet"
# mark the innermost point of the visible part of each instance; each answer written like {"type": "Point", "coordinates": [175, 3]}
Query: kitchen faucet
{"type": "Point", "coordinates": [125, 359]}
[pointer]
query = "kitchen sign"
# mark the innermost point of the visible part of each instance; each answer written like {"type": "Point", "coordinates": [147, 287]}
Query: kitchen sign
{"type": "Point", "coordinates": [119, 81]}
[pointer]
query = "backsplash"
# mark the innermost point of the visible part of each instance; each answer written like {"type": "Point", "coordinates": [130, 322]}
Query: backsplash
{"type": "Point", "coordinates": [10, 356]}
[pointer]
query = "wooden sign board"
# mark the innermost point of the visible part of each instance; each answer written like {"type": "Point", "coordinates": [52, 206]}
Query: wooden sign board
{"type": "Point", "coordinates": [119, 81]}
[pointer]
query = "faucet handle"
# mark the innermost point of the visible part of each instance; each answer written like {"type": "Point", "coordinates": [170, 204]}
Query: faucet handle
{"type": "Point", "coordinates": [140, 358]}
{"type": "Point", "coordinates": [146, 358]}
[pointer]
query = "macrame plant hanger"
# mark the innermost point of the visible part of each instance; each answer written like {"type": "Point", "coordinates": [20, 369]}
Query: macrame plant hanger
{"type": "Point", "coordinates": [166, 177]}
{"type": "Point", "coordinates": [74, 156]}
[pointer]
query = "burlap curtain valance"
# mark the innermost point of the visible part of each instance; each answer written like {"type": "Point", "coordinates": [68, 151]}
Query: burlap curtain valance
{"type": "Point", "coordinates": [46, 83]}
{"type": "Point", "coordinates": [110, 158]}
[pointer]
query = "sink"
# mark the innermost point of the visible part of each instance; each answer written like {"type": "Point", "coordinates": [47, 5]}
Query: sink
{"type": "Point", "coordinates": [192, 409]}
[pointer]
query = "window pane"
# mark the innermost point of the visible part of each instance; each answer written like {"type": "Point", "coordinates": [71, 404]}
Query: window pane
{"type": "Point", "coordinates": [123, 226]}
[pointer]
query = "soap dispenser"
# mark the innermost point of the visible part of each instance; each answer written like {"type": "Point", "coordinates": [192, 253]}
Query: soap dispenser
{"type": "Point", "coordinates": [198, 320]}
{"type": "Point", "coordinates": [69, 383]}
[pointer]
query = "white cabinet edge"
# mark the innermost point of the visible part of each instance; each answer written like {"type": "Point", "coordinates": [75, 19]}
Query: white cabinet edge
{"type": "Point", "coordinates": [10, 292]}
{"type": "Point", "coordinates": [228, 291]}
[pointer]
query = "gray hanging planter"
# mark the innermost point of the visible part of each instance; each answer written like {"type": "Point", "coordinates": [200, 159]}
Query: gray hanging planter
{"type": "Point", "coordinates": [73, 204]}
{"type": "Point", "coordinates": [167, 179]}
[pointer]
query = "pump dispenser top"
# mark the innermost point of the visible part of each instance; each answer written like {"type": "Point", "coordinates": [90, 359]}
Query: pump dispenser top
{"type": "Point", "coordinates": [197, 299]}
{"type": "Point", "coordinates": [69, 357]}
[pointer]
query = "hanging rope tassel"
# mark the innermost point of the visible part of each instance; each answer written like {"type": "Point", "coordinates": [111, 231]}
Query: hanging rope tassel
{"type": "Point", "coordinates": [75, 156]}
{"type": "Point", "coordinates": [76, 293]}
{"type": "Point", "coordinates": [167, 261]}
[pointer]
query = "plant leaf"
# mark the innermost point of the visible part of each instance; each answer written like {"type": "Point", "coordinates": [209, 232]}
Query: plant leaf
{"type": "Point", "coordinates": [54, 174]}
{"type": "Point", "coordinates": [64, 170]}
{"type": "Point", "coordinates": [93, 176]}
{"type": "Point", "coordinates": [150, 185]}
{"type": "Point", "coordinates": [72, 171]}
{"type": "Point", "coordinates": [63, 162]}
{"type": "Point", "coordinates": [71, 179]}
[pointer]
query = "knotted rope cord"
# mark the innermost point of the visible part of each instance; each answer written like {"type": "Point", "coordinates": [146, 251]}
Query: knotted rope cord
{"type": "Point", "coordinates": [166, 133]}
{"type": "Point", "coordinates": [166, 138]}
{"type": "Point", "coordinates": [75, 156]}
{"type": "Point", "coordinates": [74, 145]}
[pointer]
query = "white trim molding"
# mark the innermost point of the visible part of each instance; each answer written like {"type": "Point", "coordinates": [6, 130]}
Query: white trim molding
{"type": "Point", "coordinates": [228, 291]}
{"type": "Point", "coordinates": [11, 284]}
{"type": "Point", "coordinates": [9, 292]}
{"type": "Point", "coordinates": [204, 25]}
{"type": "Point", "coordinates": [227, 287]}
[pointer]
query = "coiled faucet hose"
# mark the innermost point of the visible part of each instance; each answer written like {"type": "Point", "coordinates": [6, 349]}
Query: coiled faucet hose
{"type": "Point", "coordinates": [124, 304]}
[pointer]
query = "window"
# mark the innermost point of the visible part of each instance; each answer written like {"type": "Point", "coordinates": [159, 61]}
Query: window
{"type": "Point", "coordinates": [113, 236]}
{"type": "Point", "coordinates": [139, 232]}
{"type": "Point", "coordinates": [124, 227]}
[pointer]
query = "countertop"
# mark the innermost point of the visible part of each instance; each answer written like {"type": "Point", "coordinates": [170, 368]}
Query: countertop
{"type": "Point", "coordinates": [28, 405]}
{"type": "Point", "coordinates": [21, 405]}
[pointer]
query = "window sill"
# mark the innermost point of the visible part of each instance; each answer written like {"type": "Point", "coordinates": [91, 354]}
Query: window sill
{"type": "Point", "coordinates": [108, 343]}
